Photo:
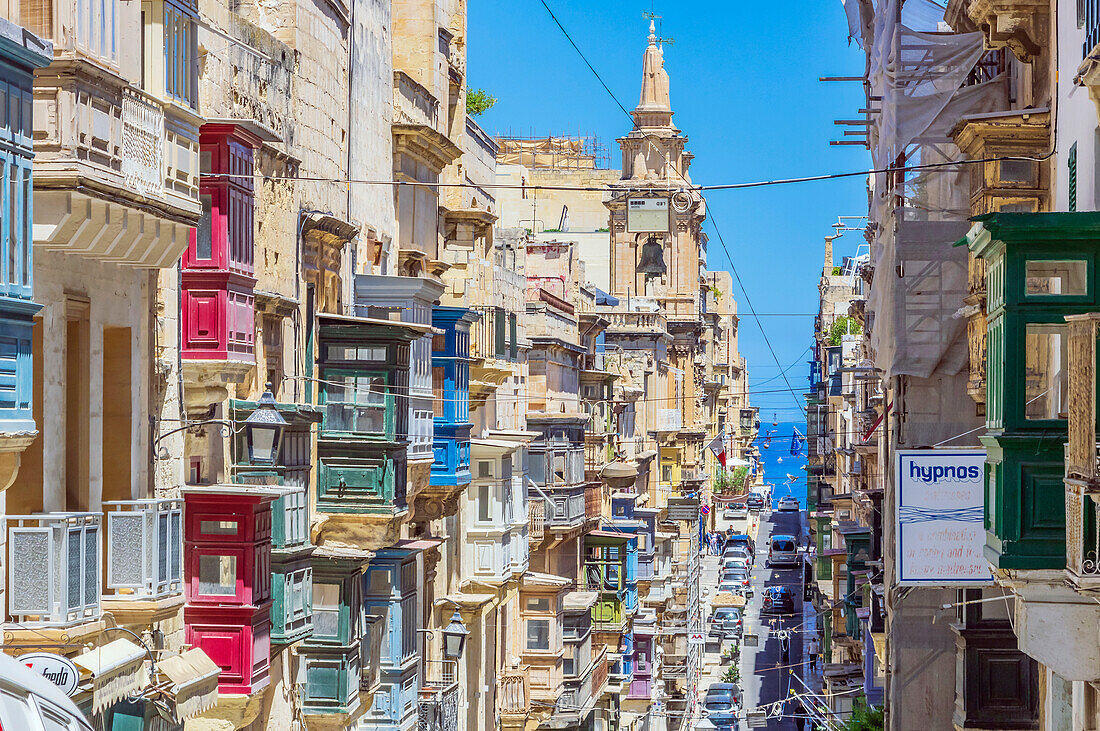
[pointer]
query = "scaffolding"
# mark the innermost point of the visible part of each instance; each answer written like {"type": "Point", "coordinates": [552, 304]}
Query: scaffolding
{"type": "Point", "coordinates": [559, 152]}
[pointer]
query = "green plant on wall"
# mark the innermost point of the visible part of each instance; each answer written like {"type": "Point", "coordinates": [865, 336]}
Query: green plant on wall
{"type": "Point", "coordinates": [478, 101]}
{"type": "Point", "coordinates": [865, 718]}
{"type": "Point", "coordinates": [715, 292]}
{"type": "Point", "coordinates": [732, 674]}
{"type": "Point", "coordinates": [842, 326]}
{"type": "Point", "coordinates": [730, 480]}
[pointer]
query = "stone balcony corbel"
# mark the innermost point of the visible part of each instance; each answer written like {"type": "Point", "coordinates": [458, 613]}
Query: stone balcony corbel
{"type": "Point", "coordinates": [432, 502]}
{"type": "Point", "coordinates": [1047, 611]}
{"type": "Point", "coordinates": [1022, 26]}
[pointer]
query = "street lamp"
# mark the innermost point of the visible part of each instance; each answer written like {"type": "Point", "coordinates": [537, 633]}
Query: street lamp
{"type": "Point", "coordinates": [454, 637]}
{"type": "Point", "coordinates": [264, 430]}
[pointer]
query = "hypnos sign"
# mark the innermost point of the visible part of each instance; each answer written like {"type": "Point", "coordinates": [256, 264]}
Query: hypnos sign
{"type": "Point", "coordinates": [940, 507]}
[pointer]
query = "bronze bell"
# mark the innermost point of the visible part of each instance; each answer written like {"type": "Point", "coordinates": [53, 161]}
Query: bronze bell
{"type": "Point", "coordinates": [652, 262]}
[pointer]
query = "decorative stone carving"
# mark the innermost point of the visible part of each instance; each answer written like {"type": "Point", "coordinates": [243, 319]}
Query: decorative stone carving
{"type": "Point", "coordinates": [1019, 25]}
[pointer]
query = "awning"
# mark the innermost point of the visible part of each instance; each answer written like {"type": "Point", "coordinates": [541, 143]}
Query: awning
{"type": "Point", "coordinates": [117, 669]}
{"type": "Point", "coordinates": [737, 462]}
{"type": "Point", "coordinates": [194, 678]}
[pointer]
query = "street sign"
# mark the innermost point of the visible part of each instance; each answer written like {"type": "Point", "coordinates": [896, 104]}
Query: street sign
{"type": "Point", "coordinates": [756, 719]}
{"type": "Point", "coordinates": [750, 641]}
{"type": "Point", "coordinates": [704, 510]}
{"type": "Point", "coordinates": [57, 669]}
{"type": "Point", "coordinates": [697, 638]}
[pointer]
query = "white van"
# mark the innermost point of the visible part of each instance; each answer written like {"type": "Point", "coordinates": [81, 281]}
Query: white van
{"type": "Point", "coordinates": [783, 551]}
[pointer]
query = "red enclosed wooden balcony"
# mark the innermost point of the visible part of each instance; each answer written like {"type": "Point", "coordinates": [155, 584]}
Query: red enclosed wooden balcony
{"type": "Point", "coordinates": [218, 270]}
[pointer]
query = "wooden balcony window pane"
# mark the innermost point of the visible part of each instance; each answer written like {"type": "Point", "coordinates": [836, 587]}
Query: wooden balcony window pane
{"type": "Point", "coordinates": [538, 634]}
{"type": "Point", "coordinates": [1057, 278]}
{"type": "Point", "coordinates": [203, 232]}
{"type": "Point", "coordinates": [218, 575]}
{"type": "Point", "coordinates": [1045, 375]}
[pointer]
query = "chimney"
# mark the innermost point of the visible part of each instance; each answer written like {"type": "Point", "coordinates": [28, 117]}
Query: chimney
{"type": "Point", "coordinates": [828, 270]}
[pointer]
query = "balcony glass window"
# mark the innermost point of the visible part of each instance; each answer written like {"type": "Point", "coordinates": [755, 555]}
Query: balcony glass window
{"type": "Point", "coordinates": [438, 380]}
{"type": "Point", "coordinates": [218, 575]}
{"type": "Point", "coordinates": [356, 402]}
{"type": "Point", "coordinates": [484, 504]}
{"type": "Point", "coordinates": [1017, 171]}
{"type": "Point", "coordinates": [1056, 278]}
{"type": "Point", "coordinates": [375, 354]}
{"type": "Point", "coordinates": [96, 28]}
{"type": "Point", "coordinates": [204, 242]}
{"type": "Point", "coordinates": [1045, 373]}
{"type": "Point", "coordinates": [326, 610]}
{"type": "Point", "coordinates": [180, 54]}
{"type": "Point", "coordinates": [408, 627]}
{"type": "Point", "coordinates": [538, 634]}
{"type": "Point", "coordinates": [218, 527]}
{"type": "Point", "coordinates": [538, 604]}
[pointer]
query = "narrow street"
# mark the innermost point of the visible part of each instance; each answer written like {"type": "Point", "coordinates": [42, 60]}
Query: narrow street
{"type": "Point", "coordinates": [765, 677]}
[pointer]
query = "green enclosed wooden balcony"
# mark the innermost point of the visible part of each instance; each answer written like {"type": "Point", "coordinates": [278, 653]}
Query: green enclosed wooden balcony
{"type": "Point", "coordinates": [1040, 267]}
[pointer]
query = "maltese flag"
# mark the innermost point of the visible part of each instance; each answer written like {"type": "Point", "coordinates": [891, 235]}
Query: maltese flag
{"type": "Point", "coordinates": [718, 446]}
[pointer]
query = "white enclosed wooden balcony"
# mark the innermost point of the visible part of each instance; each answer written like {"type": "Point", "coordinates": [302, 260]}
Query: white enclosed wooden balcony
{"type": "Point", "coordinates": [54, 566]}
{"type": "Point", "coordinates": [116, 170]}
{"type": "Point", "coordinates": [145, 548]}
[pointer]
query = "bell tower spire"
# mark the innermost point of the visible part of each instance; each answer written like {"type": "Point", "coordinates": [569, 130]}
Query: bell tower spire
{"type": "Point", "coordinates": [654, 108]}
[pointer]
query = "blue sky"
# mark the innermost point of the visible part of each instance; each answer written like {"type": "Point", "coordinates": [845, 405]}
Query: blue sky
{"type": "Point", "coordinates": [745, 90]}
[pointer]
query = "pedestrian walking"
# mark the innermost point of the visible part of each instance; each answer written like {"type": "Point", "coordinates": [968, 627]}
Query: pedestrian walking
{"type": "Point", "coordinates": [814, 649]}
{"type": "Point", "coordinates": [799, 713]}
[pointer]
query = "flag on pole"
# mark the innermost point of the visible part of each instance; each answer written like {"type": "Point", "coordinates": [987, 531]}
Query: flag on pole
{"type": "Point", "coordinates": [718, 446]}
{"type": "Point", "coordinates": [797, 440]}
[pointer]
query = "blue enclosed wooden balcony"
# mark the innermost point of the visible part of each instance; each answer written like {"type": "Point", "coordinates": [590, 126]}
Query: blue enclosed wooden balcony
{"type": "Point", "coordinates": [451, 391]}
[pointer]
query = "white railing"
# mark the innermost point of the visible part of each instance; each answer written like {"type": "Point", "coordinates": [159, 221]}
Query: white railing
{"type": "Point", "coordinates": [142, 145]}
{"type": "Point", "coordinates": [54, 568]}
{"type": "Point", "coordinates": [145, 547]}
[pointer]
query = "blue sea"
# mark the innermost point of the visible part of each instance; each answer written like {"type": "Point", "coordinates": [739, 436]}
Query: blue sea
{"type": "Point", "coordinates": [774, 443]}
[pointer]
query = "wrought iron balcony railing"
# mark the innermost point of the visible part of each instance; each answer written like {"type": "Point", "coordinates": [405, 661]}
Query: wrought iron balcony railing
{"type": "Point", "coordinates": [145, 547]}
{"type": "Point", "coordinates": [437, 709]}
{"type": "Point", "coordinates": [54, 568]}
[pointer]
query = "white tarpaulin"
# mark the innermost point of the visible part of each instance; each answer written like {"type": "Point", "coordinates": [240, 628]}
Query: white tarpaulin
{"type": "Point", "coordinates": [940, 529]}
{"type": "Point", "coordinates": [927, 81]}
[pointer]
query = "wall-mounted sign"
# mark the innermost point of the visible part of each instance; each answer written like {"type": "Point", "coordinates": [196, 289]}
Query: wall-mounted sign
{"type": "Point", "coordinates": [57, 669]}
{"type": "Point", "coordinates": [940, 499]}
{"type": "Point", "coordinates": [647, 215]}
{"type": "Point", "coordinates": [683, 508]}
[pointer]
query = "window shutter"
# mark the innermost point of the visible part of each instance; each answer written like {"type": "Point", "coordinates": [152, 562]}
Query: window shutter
{"type": "Point", "coordinates": [1073, 178]}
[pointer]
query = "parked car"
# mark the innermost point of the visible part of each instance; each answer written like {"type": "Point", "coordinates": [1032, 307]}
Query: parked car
{"type": "Point", "coordinates": [736, 562]}
{"type": "Point", "coordinates": [29, 702]}
{"type": "Point", "coordinates": [737, 511]}
{"type": "Point", "coordinates": [788, 505]}
{"type": "Point", "coordinates": [737, 552]}
{"type": "Point", "coordinates": [783, 551]}
{"type": "Point", "coordinates": [741, 577]}
{"type": "Point", "coordinates": [726, 622]}
{"type": "Point", "coordinates": [731, 587]}
{"type": "Point", "coordinates": [777, 600]}
{"type": "Point", "coordinates": [721, 704]}
{"type": "Point", "coordinates": [755, 501]}
{"type": "Point", "coordinates": [742, 539]}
